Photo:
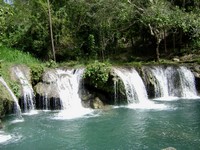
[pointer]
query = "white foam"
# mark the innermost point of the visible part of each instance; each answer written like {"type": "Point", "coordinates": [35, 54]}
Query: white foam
{"type": "Point", "coordinates": [72, 113]}
{"type": "Point", "coordinates": [32, 112]}
{"type": "Point", "coordinates": [17, 121]}
{"type": "Point", "coordinates": [167, 98]}
{"type": "Point", "coordinates": [4, 137]}
{"type": "Point", "coordinates": [148, 105]}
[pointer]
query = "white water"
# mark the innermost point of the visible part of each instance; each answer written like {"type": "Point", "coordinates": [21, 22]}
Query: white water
{"type": "Point", "coordinates": [187, 83]}
{"type": "Point", "coordinates": [174, 82]}
{"type": "Point", "coordinates": [17, 109]}
{"type": "Point", "coordinates": [28, 94]}
{"type": "Point", "coordinates": [134, 85]}
{"type": "Point", "coordinates": [45, 102]}
{"type": "Point", "coordinates": [4, 137]}
{"type": "Point", "coordinates": [68, 86]}
{"type": "Point", "coordinates": [115, 91]}
{"type": "Point", "coordinates": [162, 88]}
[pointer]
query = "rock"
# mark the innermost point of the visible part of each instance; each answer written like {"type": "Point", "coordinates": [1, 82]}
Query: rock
{"type": "Point", "coordinates": [197, 68]}
{"type": "Point", "coordinates": [6, 101]}
{"type": "Point", "coordinates": [47, 94]}
{"type": "Point", "coordinates": [176, 59]}
{"type": "Point", "coordinates": [169, 148]}
{"type": "Point", "coordinates": [97, 103]}
{"type": "Point", "coordinates": [197, 75]}
{"type": "Point", "coordinates": [50, 90]}
{"type": "Point", "coordinates": [24, 69]}
{"type": "Point", "coordinates": [49, 76]}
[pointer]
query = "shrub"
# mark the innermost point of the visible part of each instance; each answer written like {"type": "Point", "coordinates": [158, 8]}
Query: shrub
{"type": "Point", "coordinates": [36, 73]}
{"type": "Point", "coordinates": [97, 73]}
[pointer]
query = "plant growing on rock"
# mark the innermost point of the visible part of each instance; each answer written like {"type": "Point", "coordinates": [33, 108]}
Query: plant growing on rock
{"type": "Point", "coordinates": [36, 72]}
{"type": "Point", "coordinates": [97, 73]}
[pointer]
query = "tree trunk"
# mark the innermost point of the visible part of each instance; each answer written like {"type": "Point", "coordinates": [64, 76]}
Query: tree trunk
{"type": "Point", "coordinates": [157, 51]}
{"type": "Point", "coordinates": [165, 41]}
{"type": "Point", "coordinates": [174, 42]}
{"type": "Point", "coordinates": [51, 32]}
{"type": "Point", "coordinates": [180, 40]}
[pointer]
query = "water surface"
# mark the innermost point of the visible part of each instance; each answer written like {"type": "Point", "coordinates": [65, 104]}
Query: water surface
{"type": "Point", "coordinates": [175, 125]}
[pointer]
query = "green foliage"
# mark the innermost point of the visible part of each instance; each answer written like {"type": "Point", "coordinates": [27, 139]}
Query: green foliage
{"type": "Point", "coordinates": [51, 64]}
{"type": "Point", "coordinates": [36, 73]}
{"type": "Point", "coordinates": [96, 29]}
{"type": "Point", "coordinates": [196, 44]}
{"type": "Point", "coordinates": [15, 88]}
{"type": "Point", "coordinates": [15, 56]}
{"type": "Point", "coordinates": [91, 46]}
{"type": "Point", "coordinates": [97, 73]}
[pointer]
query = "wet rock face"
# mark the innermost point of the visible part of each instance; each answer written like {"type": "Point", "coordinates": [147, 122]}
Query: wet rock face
{"type": "Point", "coordinates": [47, 94]}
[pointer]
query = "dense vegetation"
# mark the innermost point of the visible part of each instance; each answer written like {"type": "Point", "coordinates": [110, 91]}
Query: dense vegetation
{"type": "Point", "coordinates": [100, 29]}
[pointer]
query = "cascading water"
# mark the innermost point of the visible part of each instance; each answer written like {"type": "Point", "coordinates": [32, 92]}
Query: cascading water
{"type": "Point", "coordinates": [161, 89]}
{"type": "Point", "coordinates": [187, 83]}
{"type": "Point", "coordinates": [45, 102]}
{"type": "Point", "coordinates": [67, 83]}
{"type": "Point", "coordinates": [174, 82]}
{"type": "Point", "coordinates": [27, 102]}
{"type": "Point", "coordinates": [17, 109]}
{"type": "Point", "coordinates": [68, 86]}
{"type": "Point", "coordinates": [134, 86]}
{"type": "Point", "coordinates": [115, 91]}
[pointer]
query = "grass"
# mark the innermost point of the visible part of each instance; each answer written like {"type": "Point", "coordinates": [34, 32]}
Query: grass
{"type": "Point", "coordinates": [15, 56]}
{"type": "Point", "coordinates": [10, 57]}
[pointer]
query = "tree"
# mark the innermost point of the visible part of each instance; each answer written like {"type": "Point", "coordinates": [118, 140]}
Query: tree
{"type": "Point", "coordinates": [51, 32]}
{"type": "Point", "coordinates": [157, 16]}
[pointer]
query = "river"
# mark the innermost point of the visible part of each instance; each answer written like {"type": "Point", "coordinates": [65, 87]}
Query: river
{"type": "Point", "coordinates": [169, 124]}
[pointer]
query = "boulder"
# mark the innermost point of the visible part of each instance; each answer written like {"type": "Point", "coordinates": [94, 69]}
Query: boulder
{"type": "Point", "coordinates": [48, 90]}
{"type": "Point", "coordinates": [97, 103]}
{"type": "Point", "coordinates": [49, 76]}
{"type": "Point", "coordinates": [176, 60]}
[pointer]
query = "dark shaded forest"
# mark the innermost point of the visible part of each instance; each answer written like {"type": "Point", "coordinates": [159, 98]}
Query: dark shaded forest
{"type": "Point", "coordinates": [100, 29]}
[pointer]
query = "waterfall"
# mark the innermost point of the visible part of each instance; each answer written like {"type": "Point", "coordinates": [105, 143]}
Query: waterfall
{"type": "Point", "coordinates": [68, 82]}
{"type": "Point", "coordinates": [161, 84]}
{"type": "Point", "coordinates": [68, 86]}
{"type": "Point", "coordinates": [174, 82]}
{"type": "Point", "coordinates": [115, 91]}
{"type": "Point", "coordinates": [27, 91]}
{"type": "Point", "coordinates": [17, 109]}
{"type": "Point", "coordinates": [187, 83]}
{"type": "Point", "coordinates": [134, 86]}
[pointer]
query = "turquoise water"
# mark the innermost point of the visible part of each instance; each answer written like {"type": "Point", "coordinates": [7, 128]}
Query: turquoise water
{"type": "Point", "coordinates": [175, 125]}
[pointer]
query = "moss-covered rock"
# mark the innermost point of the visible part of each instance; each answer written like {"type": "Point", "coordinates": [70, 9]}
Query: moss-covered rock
{"type": "Point", "coordinates": [6, 101]}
